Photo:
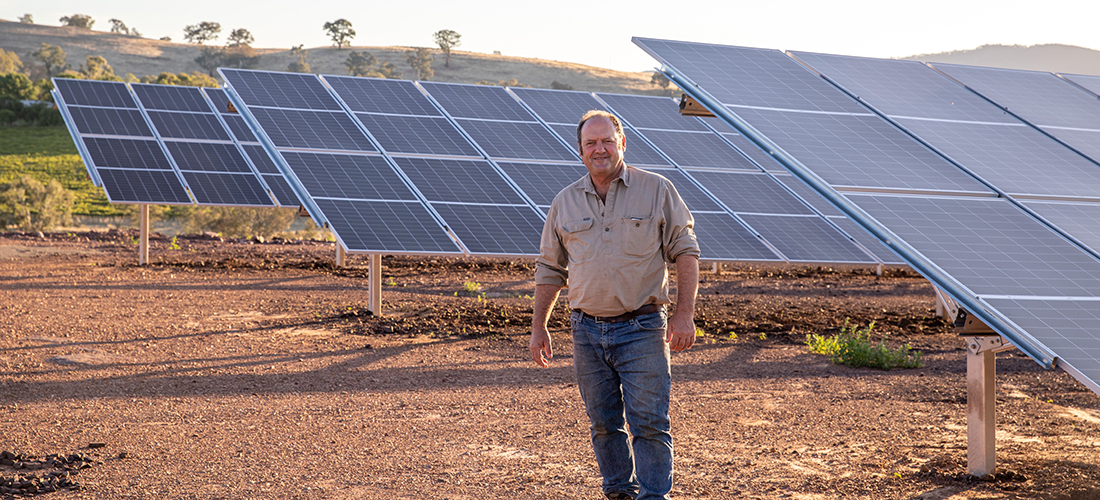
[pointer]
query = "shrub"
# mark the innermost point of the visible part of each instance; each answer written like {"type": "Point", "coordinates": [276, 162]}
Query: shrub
{"type": "Point", "coordinates": [32, 206]}
{"type": "Point", "coordinates": [853, 347]}
{"type": "Point", "coordinates": [239, 222]}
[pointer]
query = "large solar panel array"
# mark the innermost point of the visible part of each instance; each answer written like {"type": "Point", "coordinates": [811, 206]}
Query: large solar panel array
{"type": "Point", "coordinates": [1024, 278]}
{"type": "Point", "coordinates": [153, 144]}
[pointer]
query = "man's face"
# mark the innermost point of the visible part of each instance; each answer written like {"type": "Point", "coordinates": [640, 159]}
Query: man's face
{"type": "Point", "coordinates": [601, 148]}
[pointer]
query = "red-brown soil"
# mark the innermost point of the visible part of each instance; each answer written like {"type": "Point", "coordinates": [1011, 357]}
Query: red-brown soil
{"type": "Point", "coordinates": [239, 370]}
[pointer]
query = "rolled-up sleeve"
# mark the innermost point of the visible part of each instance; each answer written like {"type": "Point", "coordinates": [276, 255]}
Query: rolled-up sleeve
{"type": "Point", "coordinates": [552, 265]}
{"type": "Point", "coordinates": [679, 230]}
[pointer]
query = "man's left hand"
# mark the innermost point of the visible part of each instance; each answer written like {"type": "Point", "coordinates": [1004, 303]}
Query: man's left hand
{"type": "Point", "coordinates": [681, 332]}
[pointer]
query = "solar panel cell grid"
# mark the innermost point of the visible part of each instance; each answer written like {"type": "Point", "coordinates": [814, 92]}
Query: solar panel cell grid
{"type": "Point", "coordinates": [359, 177]}
{"type": "Point", "coordinates": [219, 98]}
{"type": "Point", "coordinates": [280, 90]}
{"type": "Point", "coordinates": [417, 135]}
{"type": "Point", "coordinates": [990, 246]}
{"type": "Point", "coordinates": [1081, 220]}
{"type": "Point", "coordinates": [559, 106]}
{"type": "Point", "coordinates": [651, 112]}
{"type": "Point", "coordinates": [870, 243]}
{"type": "Point", "coordinates": [143, 186]}
{"type": "Point", "coordinates": [809, 195]}
{"type": "Point", "coordinates": [517, 140]}
{"type": "Point", "coordinates": [284, 194]}
{"type": "Point", "coordinates": [260, 159]}
{"type": "Point", "coordinates": [1066, 326]}
{"type": "Point", "coordinates": [806, 239]}
{"type": "Point", "coordinates": [721, 237]}
{"type": "Point", "coordinates": [126, 153]}
{"type": "Point", "coordinates": [905, 88]}
{"type": "Point", "coordinates": [862, 151]}
{"type": "Point", "coordinates": [207, 157]}
{"type": "Point", "coordinates": [694, 197]}
{"type": "Point", "coordinates": [751, 77]}
{"type": "Point", "coordinates": [109, 121]}
{"type": "Point", "coordinates": [94, 93]}
{"type": "Point", "coordinates": [477, 101]}
{"type": "Point", "coordinates": [212, 188]}
{"type": "Point", "coordinates": [378, 226]}
{"type": "Point", "coordinates": [750, 193]}
{"type": "Point", "coordinates": [486, 229]}
{"type": "Point", "coordinates": [239, 128]}
{"type": "Point", "coordinates": [689, 149]}
{"type": "Point", "coordinates": [188, 126]}
{"type": "Point", "coordinates": [458, 181]}
{"type": "Point", "coordinates": [372, 95]}
{"type": "Point", "coordinates": [311, 130]}
{"type": "Point", "coordinates": [541, 182]}
{"type": "Point", "coordinates": [1085, 141]}
{"type": "Point", "coordinates": [171, 98]}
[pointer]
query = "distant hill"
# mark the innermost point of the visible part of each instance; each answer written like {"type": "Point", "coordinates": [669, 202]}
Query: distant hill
{"type": "Point", "coordinates": [142, 56]}
{"type": "Point", "coordinates": [1049, 57]}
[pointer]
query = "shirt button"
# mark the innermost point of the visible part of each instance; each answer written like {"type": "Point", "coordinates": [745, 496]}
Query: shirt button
{"type": "Point", "coordinates": [606, 229]}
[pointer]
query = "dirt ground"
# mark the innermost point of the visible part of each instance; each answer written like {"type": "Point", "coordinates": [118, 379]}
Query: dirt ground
{"type": "Point", "coordinates": [227, 369]}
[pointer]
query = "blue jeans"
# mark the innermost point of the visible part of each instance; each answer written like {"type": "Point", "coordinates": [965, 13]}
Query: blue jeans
{"type": "Point", "coordinates": [624, 377]}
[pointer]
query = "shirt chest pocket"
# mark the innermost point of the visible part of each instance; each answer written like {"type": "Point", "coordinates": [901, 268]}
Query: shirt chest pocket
{"type": "Point", "coordinates": [641, 236]}
{"type": "Point", "coordinates": [579, 240]}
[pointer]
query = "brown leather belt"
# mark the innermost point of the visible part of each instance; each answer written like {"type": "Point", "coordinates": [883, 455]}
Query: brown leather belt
{"type": "Point", "coordinates": [646, 309]}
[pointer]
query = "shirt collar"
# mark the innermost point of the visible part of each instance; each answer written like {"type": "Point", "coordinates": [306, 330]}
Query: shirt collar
{"type": "Point", "coordinates": [590, 187]}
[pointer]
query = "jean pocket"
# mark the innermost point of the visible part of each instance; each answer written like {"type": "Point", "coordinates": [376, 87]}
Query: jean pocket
{"type": "Point", "coordinates": [653, 321]}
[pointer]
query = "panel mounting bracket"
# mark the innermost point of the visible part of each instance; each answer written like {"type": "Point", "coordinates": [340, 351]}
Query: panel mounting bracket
{"type": "Point", "coordinates": [689, 107]}
{"type": "Point", "coordinates": [967, 325]}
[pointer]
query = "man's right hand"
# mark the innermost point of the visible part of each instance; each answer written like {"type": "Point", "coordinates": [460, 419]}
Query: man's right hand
{"type": "Point", "coordinates": [542, 350]}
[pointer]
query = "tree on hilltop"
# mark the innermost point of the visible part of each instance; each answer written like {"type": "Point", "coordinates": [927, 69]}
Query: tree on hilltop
{"type": "Point", "coordinates": [202, 32]}
{"type": "Point", "coordinates": [52, 57]}
{"type": "Point", "coordinates": [447, 40]}
{"type": "Point", "coordinates": [238, 37]}
{"type": "Point", "coordinates": [301, 65]}
{"type": "Point", "coordinates": [340, 32]}
{"type": "Point", "coordinates": [26, 19]}
{"type": "Point", "coordinates": [97, 68]}
{"type": "Point", "coordinates": [78, 21]}
{"type": "Point", "coordinates": [361, 64]}
{"type": "Point", "coordinates": [117, 26]}
{"type": "Point", "coordinates": [195, 79]}
{"type": "Point", "coordinates": [421, 60]}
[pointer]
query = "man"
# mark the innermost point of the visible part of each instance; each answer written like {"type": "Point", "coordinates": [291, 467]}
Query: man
{"type": "Point", "coordinates": [609, 236]}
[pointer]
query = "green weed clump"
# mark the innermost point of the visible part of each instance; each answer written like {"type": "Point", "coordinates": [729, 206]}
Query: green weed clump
{"type": "Point", "coordinates": [853, 347]}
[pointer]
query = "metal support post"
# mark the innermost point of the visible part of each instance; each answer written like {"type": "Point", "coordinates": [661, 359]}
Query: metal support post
{"type": "Point", "coordinates": [143, 242]}
{"type": "Point", "coordinates": [716, 267]}
{"type": "Point", "coordinates": [981, 403]}
{"type": "Point", "coordinates": [878, 269]}
{"type": "Point", "coordinates": [341, 256]}
{"type": "Point", "coordinates": [374, 286]}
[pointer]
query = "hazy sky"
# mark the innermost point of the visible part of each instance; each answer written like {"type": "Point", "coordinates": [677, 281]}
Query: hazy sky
{"type": "Point", "coordinates": [598, 32]}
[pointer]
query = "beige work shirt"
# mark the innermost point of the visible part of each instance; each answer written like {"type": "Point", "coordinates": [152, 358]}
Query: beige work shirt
{"type": "Point", "coordinates": [612, 254]}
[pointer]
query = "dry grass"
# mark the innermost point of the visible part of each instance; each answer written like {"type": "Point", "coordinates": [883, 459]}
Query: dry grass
{"type": "Point", "coordinates": [142, 56]}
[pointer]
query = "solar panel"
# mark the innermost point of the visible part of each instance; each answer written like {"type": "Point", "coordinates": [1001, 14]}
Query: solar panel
{"type": "Point", "coordinates": [215, 188]}
{"type": "Point", "coordinates": [989, 245]}
{"type": "Point", "coordinates": [517, 140]}
{"type": "Point", "coordinates": [477, 101]}
{"type": "Point", "coordinates": [1081, 220]}
{"type": "Point", "coordinates": [218, 97]}
{"type": "Point", "coordinates": [281, 90]}
{"type": "Point", "coordinates": [385, 226]}
{"type": "Point", "coordinates": [144, 154]}
{"type": "Point", "coordinates": [110, 121]}
{"type": "Point", "coordinates": [239, 128]}
{"type": "Point", "coordinates": [651, 112]}
{"type": "Point", "coordinates": [905, 88]}
{"type": "Point", "coordinates": [417, 135]}
{"type": "Point", "coordinates": [689, 149]}
{"type": "Point", "coordinates": [171, 98]}
{"type": "Point", "coordinates": [694, 197]}
{"type": "Point", "coordinates": [721, 237]}
{"type": "Point", "coordinates": [260, 159]}
{"type": "Point", "coordinates": [1066, 326]}
{"type": "Point", "coordinates": [375, 95]}
{"type": "Point", "coordinates": [160, 187]}
{"type": "Point", "coordinates": [94, 93]}
{"type": "Point", "coordinates": [494, 229]}
{"type": "Point", "coordinates": [188, 126]}
{"type": "Point", "coordinates": [809, 195]}
{"type": "Point", "coordinates": [1085, 141]}
{"type": "Point", "coordinates": [284, 194]}
{"type": "Point", "coordinates": [743, 76]}
{"type": "Point", "coordinates": [1090, 83]}
{"type": "Point", "coordinates": [806, 239]}
{"type": "Point", "coordinates": [460, 181]}
{"type": "Point", "coordinates": [750, 193]}
{"type": "Point", "coordinates": [290, 128]}
{"type": "Point", "coordinates": [540, 181]}
{"type": "Point", "coordinates": [208, 157]}
{"type": "Point", "coordinates": [1012, 157]}
{"type": "Point", "coordinates": [1036, 96]}
{"type": "Point", "coordinates": [863, 151]}
{"type": "Point", "coordinates": [762, 158]}
{"type": "Point", "coordinates": [360, 177]}
{"type": "Point", "coordinates": [869, 242]}
{"type": "Point", "coordinates": [558, 106]}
